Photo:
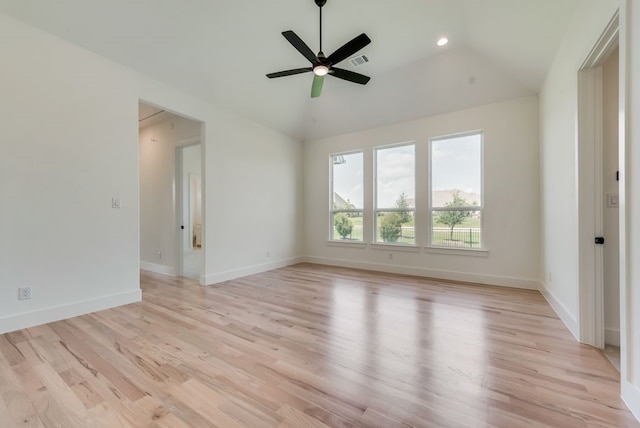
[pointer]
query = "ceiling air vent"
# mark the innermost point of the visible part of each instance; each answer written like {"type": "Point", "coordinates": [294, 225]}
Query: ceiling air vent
{"type": "Point", "coordinates": [357, 61]}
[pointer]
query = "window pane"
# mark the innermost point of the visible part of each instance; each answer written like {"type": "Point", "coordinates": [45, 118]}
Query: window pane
{"type": "Point", "coordinates": [347, 226]}
{"type": "Point", "coordinates": [395, 227]}
{"type": "Point", "coordinates": [395, 194]}
{"type": "Point", "coordinates": [347, 195]}
{"type": "Point", "coordinates": [395, 177]}
{"type": "Point", "coordinates": [456, 171]}
{"type": "Point", "coordinates": [347, 181]}
{"type": "Point", "coordinates": [456, 184]}
{"type": "Point", "coordinates": [456, 229]}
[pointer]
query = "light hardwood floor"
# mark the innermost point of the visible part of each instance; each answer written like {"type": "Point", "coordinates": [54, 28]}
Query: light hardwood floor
{"type": "Point", "coordinates": [310, 346]}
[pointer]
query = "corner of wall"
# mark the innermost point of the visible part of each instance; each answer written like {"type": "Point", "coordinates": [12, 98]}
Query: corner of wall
{"type": "Point", "coordinates": [158, 268]}
{"type": "Point", "coordinates": [249, 270]}
{"type": "Point", "coordinates": [561, 310]}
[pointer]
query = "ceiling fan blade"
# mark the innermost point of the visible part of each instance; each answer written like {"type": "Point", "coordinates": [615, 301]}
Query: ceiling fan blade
{"type": "Point", "coordinates": [349, 75]}
{"type": "Point", "coordinates": [316, 87]}
{"type": "Point", "coordinates": [349, 49]}
{"type": "Point", "coordinates": [289, 72]}
{"type": "Point", "coordinates": [301, 46]}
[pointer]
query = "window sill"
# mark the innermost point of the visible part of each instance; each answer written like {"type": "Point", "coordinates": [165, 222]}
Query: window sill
{"type": "Point", "coordinates": [472, 252]}
{"type": "Point", "coordinates": [346, 244]}
{"type": "Point", "coordinates": [395, 247]}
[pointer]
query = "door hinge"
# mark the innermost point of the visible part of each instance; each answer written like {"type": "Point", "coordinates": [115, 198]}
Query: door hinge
{"type": "Point", "coordinates": [599, 240]}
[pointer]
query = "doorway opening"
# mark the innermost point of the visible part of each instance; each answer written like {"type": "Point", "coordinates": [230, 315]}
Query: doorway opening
{"type": "Point", "coordinates": [189, 209]}
{"type": "Point", "coordinates": [171, 193]}
{"type": "Point", "coordinates": [610, 211]}
{"type": "Point", "coordinates": [598, 219]}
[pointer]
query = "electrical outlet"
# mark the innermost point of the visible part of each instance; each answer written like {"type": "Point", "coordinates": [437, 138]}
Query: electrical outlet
{"type": "Point", "coordinates": [390, 256]}
{"type": "Point", "coordinates": [24, 293]}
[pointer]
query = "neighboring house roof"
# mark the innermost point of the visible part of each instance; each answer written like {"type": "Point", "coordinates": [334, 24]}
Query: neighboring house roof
{"type": "Point", "coordinates": [340, 202]}
{"type": "Point", "coordinates": [439, 198]}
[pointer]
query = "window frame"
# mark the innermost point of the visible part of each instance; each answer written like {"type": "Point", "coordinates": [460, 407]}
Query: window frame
{"type": "Point", "coordinates": [431, 209]}
{"type": "Point", "coordinates": [332, 211]}
{"type": "Point", "coordinates": [377, 210]}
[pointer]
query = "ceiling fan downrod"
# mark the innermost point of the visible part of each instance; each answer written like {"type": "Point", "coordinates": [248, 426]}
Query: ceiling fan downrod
{"type": "Point", "coordinates": [321, 3]}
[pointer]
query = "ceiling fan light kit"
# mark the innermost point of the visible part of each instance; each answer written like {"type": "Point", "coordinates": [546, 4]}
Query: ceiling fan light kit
{"type": "Point", "coordinates": [320, 70]}
{"type": "Point", "coordinates": [321, 65]}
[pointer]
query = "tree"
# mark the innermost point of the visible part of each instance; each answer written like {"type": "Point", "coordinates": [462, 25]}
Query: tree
{"type": "Point", "coordinates": [402, 203]}
{"type": "Point", "coordinates": [390, 227]}
{"type": "Point", "coordinates": [454, 218]}
{"type": "Point", "coordinates": [343, 225]}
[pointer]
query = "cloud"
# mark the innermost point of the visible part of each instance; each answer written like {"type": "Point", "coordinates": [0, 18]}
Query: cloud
{"type": "Point", "coordinates": [395, 174]}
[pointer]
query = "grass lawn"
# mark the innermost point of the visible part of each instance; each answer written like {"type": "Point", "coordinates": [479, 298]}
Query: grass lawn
{"type": "Point", "coordinates": [462, 236]}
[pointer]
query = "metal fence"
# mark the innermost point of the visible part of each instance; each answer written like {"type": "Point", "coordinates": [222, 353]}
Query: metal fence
{"type": "Point", "coordinates": [468, 237]}
{"type": "Point", "coordinates": [458, 237]}
{"type": "Point", "coordinates": [408, 232]}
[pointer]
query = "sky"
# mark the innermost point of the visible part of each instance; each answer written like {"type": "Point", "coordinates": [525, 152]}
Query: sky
{"type": "Point", "coordinates": [456, 164]}
{"type": "Point", "coordinates": [395, 175]}
{"type": "Point", "coordinates": [348, 179]}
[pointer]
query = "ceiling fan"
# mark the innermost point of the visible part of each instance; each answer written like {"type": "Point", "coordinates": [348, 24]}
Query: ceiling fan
{"type": "Point", "coordinates": [321, 65]}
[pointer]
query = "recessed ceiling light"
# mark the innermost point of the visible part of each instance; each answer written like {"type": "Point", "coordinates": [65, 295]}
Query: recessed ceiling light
{"type": "Point", "coordinates": [442, 41]}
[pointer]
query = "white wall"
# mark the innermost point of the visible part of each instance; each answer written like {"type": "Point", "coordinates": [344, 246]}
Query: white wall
{"type": "Point", "coordinates": [158, 144]}
{"type": "Point", "coordinates": [70, 143]}
{"type": "Point", "coordinates": [558, 113]}
{"type": "Point", "coordinates": [253, 201]}
{"type": "Point", "coordinates": [254, 178]}
{"type": "Point", "coordinates": [630, 203]}
{"type": "Point", "coordinates": [68, 147]}
{"type": "Point", "coordinates": [611, 214]}
{"type": "Point", "coordinates": [511, 181]}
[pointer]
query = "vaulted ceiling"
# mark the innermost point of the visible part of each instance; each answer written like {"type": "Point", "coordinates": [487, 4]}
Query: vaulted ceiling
{"type": "Point", "coordinates": [221, 50]}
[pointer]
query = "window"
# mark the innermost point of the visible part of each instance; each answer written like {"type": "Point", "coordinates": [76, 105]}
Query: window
{"type": "Point", "coordinates": [395, 194]}
{"type": "Point", "coordinates": [456, 191]}
{"type": "Point", "coordinates": [347, 196]}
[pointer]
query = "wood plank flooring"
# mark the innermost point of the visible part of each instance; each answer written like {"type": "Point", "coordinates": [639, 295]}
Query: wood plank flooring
{"type": "Point", "coordinates": [310, 346]}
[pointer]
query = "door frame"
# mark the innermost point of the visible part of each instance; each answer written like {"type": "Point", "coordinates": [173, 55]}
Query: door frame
{"type": "Point", "coordinates": [590, 188]}
{"type": "Point", "coordinates": [179, 199]}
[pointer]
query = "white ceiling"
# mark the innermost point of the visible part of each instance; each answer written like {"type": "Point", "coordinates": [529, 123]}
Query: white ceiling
{"type": "Point", "coordinates": [221, 50]}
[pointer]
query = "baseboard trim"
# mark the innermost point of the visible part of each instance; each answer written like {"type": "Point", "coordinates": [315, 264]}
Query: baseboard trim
{"type": "Point", "coordinates": [561, 310]}
{"type": "Point", "coordinates": [158, 268]}
{"type": "Point", "coordinates": [612, 336]}
{"type": "Point", "coordinates": [631, 397]}
{"type": "Point", "coordinates": [250, 270]}
{"type": "Point", "coordinates": [504, 281]}
{"type": "Point", "coordinates": [57, 313]}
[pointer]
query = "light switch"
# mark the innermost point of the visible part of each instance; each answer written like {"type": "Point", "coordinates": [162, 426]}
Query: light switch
{"type": "Point", "coordinates": [612, 200]}
{"type": "Point", "coordinates": [115, 203]}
